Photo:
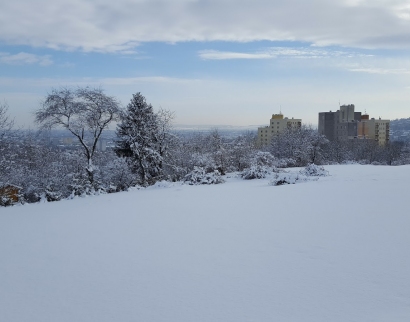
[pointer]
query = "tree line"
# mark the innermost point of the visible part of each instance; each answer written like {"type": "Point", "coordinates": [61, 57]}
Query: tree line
{"type": "Point", "coordinates": [148, 150]}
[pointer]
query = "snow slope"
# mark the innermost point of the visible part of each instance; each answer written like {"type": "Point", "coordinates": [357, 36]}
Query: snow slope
{"type": "Point", "coordinates": [336, 249]}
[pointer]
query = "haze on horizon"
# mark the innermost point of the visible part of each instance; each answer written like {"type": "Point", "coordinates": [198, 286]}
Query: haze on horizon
{"type": "Point", "coordinates": [212, 62]}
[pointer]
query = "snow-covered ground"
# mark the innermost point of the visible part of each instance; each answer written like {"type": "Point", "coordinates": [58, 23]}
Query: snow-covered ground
{"type": "Point", "coordinates": [337, 249]}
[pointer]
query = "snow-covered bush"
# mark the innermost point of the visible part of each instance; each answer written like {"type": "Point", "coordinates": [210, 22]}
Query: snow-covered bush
{"type": "Point", "coordinates": [200, 176]}
{"type": "Point", "coordinates": [204, 161]}
{"type": "Point", "coordinates": [262, 164]}
{"type": "Point", "coordinates": [162, 184]}
{"type": "Point", "coordinates": [264, 159]}
{"type": "Point", "coordinates": [284, 178]}
{"type": "Point", "coordinates": [31, 194]}
{"type": "Point", "coordinates": [378, 163]}
{"type": "Point", "coordinates": [6, 201]}
{"type": "Point", "coordinates": [289, 178]}
{"type": "Point", "coordinates": [285, 163]}
{"type": "Point", "coordinates": [116, 175]}
{"type": "Point", "coordinates": [348, 162]}
{"type": "Point", "coordinates": [313, 170]}
{"type": "Point", "coordinates": [51, 194]}
{"type": "Point", "coordinates": [256, 172]}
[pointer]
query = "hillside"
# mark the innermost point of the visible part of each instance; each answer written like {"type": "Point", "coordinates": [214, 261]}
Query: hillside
{"type": "Point", "coordinates": [400, 129]}
{"type": "Point", "coordinates": [336, 249]}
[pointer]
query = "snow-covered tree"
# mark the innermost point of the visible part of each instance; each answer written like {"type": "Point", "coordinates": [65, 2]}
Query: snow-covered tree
{"type": "Point", "coordinates": [6, 124]}
{"type": "Point", "coordinates": [338, 151]}
{"type": "Point", "coordinates": [6, 144]}
{"type": "Point", "coordinates": [85, 113]}
{"type": "Point", "coordinates": [144, 138]}
{"type": "Point", "coordinates": [242, 150]}
{"type": "Point", "coordinates": [365, 151]}
{"type": "Point", "coordinates": [304, 145]}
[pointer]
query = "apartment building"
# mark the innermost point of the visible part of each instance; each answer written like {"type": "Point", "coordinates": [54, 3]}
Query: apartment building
{"type": "Point", "coordinates": [339, 125]}
{"type": "Point", "coordinates": [375, 129]}
{"type": "Point", "coordinates": [278, 124]}
{"type": "Point", "coordinates": [346, 124]}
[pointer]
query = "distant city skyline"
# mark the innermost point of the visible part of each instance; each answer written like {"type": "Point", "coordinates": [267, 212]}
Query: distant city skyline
{"type": "Point", "coordinates": [213, 63]}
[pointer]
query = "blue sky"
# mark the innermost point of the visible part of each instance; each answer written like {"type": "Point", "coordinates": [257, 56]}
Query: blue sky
{"type": "Point", "coordinates": [211, 62]}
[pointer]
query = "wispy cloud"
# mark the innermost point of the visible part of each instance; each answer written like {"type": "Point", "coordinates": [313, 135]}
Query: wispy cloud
{"type": "Point", "coordinates": [276, 52]}
{"type": "Point", "coordinates": [25, 59]}
{"type": "Point", "coordinates": [146, 80]}
{"type": "Point", "coordinates": [382, 71]}
{"type": "Point", "coordinates": [221, 55]}
{"type": "Point", "coordinates": [93, 81]}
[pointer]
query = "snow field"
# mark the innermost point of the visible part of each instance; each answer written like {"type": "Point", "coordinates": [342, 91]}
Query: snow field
{"type": "Point", "coordinates": [335, 249]}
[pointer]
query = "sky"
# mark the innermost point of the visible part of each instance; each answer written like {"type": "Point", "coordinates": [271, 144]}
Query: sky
{"type": "Point", "coordinates": [225, 62]}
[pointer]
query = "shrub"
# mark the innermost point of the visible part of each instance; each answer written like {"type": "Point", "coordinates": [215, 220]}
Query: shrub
{"type": "Point", "coordinates": [255, 172]}
{"type": "Point", "coordinates": [9, 195]}
{"type": "Point", "coordinates": [313, 170]}
{"type": "Point", "coordinates": [200, 176]}
{"type": "Point", "coordinates": [280, 179]}
{"type": "Point", "coordinates": [284, 178]}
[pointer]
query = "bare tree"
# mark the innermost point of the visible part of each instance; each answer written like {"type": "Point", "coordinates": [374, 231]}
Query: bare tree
{"type": "Point", "coordinates": [164, 124]}
{"type": "Point", "coordinates": [304, 145]}
{"type": "Point", "coordinates": [85, 113]}
{"type": "Point", "coordinates": [6, 124]}
{"type": "Point", "coordinates": [392, 151]}
{"type": "Point", "coordinates": [166, 140]}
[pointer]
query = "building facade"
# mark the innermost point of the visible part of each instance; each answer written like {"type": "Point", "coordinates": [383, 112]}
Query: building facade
{"type": "Point", "coordinates": [346, 124]}
{"type": "Point", "coordinates": [339, 125]}
{"type": "Point", "coordinates": [277, 125]}
{"type": "Point", "coordinates": [375, 129]}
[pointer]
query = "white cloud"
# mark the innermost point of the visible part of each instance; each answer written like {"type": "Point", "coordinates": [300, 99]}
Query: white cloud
{"type": "Point", "coordinates": [276, 52]}
{"type": "Point", "coordinates": [25, 59]}
{"type": "Point", "coordinates": [112, 26]}
{"type": "Point", "coordinates": [382, 71]}
{"type": "Point", "coordinates": [46, 83]}
{"type": "Point", "coordinates": [221, 55]}
{"type": "Point", "coordinates": [398, 66]}
{"type": "Point", "coordinates": [403, 11]}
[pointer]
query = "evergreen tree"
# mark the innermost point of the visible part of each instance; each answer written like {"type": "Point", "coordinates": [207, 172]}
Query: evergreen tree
{"type": "Point", "coordinates": [138, 139]}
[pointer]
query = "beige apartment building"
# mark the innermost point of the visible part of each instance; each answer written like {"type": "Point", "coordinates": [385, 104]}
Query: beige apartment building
{"type": "Point", "coordinates": [278, 124]}
{"type": "Point", "coordinates": [375, 129]}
